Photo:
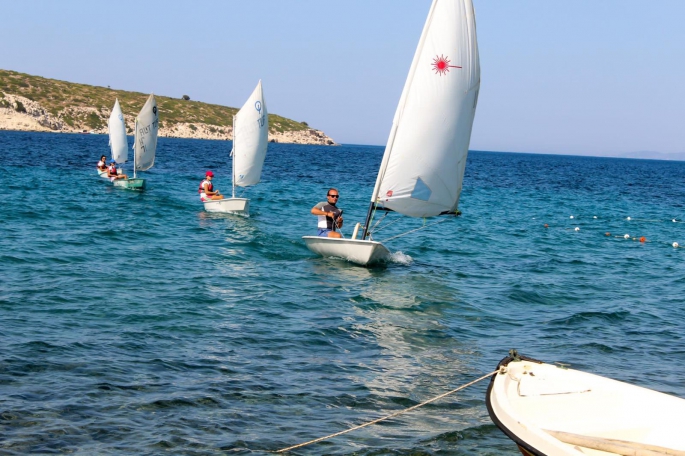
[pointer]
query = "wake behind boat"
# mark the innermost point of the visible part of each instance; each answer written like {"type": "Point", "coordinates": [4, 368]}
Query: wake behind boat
{"type": "Point", "coordinates": [551, 410]}
{"type": "Point", "coordinates": [423, 165]}
{"type": "Point", "coordinates": [250, 142]}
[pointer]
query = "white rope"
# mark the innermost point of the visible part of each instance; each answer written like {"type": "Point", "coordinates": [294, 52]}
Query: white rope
{"type": "Point", "coordinates": [417, 229]}
{"type": "Point", "coordinates": [392, 415]}
{"type": "Point", "coordinates": [376, 230]}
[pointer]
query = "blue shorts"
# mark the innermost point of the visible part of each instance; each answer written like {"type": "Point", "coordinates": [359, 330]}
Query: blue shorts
{"type": "Point", "coordinates": [323, 232]}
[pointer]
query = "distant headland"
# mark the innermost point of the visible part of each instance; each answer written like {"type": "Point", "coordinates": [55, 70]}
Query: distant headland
{"type": "Point", "coordinates": [34, 103]}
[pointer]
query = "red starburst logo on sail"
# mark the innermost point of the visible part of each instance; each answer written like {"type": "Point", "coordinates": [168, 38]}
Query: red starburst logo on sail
{"type": "Point", "coordinates": [441, 65]}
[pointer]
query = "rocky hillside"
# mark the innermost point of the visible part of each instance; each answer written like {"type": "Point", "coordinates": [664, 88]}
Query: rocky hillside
{"type": "Point", "coordinates": [34, 103]}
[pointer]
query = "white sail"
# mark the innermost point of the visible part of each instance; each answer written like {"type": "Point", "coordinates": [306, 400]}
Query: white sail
{"type": "Point", "coordinates": [145, 142]}
{"type": "Point", "coordinates": [250, 139]}
{"type": "Point", "coordinates": [423, 166]}
{"type": "Point", "coordinates": [117, 134]}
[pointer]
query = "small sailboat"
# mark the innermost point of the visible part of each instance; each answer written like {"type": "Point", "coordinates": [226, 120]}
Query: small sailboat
{"type": "Point", "coordinates": [551, 410]}
{"type": "Point", "coordinates": [423, 165]}
{"type": "Point", "coordinates": [118, 143]}
{"type": "Point", "coordinates": [250, 141]}
{"type": "Point", "coordinates": [144, 144]}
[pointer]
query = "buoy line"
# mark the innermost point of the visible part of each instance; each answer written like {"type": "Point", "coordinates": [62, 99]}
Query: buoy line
{"type": "Point", "coordinates": [392, 415]}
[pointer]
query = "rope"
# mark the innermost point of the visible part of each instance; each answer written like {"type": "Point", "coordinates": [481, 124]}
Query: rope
{"type": "Point", "coordinates": [389, 416]}
{"type": "Point", "coordinates": [387, 225]}
{"type": "Point", "coordinates": [417, 229]}
{"type": "Point", "coordinates": [379, 221]}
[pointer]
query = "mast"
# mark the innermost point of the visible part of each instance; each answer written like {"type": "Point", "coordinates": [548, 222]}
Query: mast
{"type": "Point", "coordinates": [233, 161]}
{"type": "Point", "coordinates": [135, 140]}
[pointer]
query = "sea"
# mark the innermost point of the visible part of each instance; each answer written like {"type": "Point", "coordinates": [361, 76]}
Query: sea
{"type": "Point", "coordinates": [134, 322]}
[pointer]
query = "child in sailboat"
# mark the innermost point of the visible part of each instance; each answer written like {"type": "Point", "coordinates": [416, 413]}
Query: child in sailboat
{"type": "Point", "coordinates": [330, 217]}
{"type": "Point", "coordinates": [206, 189]}
{"type": "Point", "coordinates": [112, 172]}
{"type": "Point", "coordinates": [102, 164]}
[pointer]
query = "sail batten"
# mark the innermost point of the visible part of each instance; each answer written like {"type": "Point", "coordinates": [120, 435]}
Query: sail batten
{"type": "Point", "coordinates": [423, 165]}
{"type": "Point", "coordinates": [250, 139]}
{"type": "Point", "coordinates": [145, 142]}
{"type": "Point", "coordinates": [117, 134]}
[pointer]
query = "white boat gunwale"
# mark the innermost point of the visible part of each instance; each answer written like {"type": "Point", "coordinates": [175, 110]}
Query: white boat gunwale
{"type": "Point", "coordinates": [523, 445]}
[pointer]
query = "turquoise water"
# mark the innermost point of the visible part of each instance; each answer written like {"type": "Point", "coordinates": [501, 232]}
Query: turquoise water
{"type": "Point", "coordinates": [135, 322]}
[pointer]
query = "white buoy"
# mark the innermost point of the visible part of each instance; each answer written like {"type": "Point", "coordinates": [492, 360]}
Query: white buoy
{"type": "Point", "coordinates": [577, 229]}
{"type": "Point", "coordinates": [594, 216]}
{"type": "Point", "coordinates": [627, 236]}
{"type": "Point", "coordinates": [627, 218]}
{"type": "Point", "coordinates": [571, 217]}
{"type": "Point", "coordinates": [675, 244]}
{"type": "Point", "coordinates": [673, 220]}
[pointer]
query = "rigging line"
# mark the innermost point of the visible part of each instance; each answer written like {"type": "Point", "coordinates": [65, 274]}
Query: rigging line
{"type": "Point", "coordinates": [373, 229]}
{"type": "Point", "coordinates": [417, 229]}
{"type": "Point", "coordinates": [387, 225]}
{"type": "Point", "coordinates": [392, 415]}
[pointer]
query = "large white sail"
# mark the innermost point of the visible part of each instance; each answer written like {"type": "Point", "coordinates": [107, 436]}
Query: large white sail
{"type": "Point", "coordinates": [250, 139]}
{"type": "Point", "coordinates": [423, 166]}
{"type": "Point", "coordinates": [145, 142]}
{"type": "Point", "coordinates": [117, 134]}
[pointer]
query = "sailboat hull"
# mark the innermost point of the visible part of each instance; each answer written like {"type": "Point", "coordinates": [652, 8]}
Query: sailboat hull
{"type": "Point", "coordinates": [239, 206]}
{"type": "Point", "coordinates": [131, 184]}
{"type": "Point", "coordinates": [103, 174]}
{"type": "Point", "coordinates": [356, 251]}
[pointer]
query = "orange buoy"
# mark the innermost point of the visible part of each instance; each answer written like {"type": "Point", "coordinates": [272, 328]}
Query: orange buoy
{"type": "Point", "coordinates": [546, 225]}
{"type": "Point", "coordinates": [643, 239]}
{"type": "Point", "coordinates": [607, 234]}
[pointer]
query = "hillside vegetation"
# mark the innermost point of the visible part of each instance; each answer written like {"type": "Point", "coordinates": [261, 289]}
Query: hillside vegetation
{"type": "Point", "coordinates": [88, 107]}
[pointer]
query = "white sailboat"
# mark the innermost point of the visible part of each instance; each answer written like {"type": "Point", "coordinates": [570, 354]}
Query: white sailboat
{"type": "Point", "coordinates": [118, 143]}
{"type": "Point", "coordinates": [423, 165]}
{"type": "Point", "coordinates": [250, 141]}
{"type": "Point", "coordinates": [144, 144]}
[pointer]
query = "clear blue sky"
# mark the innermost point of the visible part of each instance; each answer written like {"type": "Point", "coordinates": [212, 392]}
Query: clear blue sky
{"type": "Point", "coordinates": [597, 77]}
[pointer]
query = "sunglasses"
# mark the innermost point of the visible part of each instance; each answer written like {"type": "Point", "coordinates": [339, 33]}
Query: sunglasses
{"type": "Point", "coordinates": [334, 196]}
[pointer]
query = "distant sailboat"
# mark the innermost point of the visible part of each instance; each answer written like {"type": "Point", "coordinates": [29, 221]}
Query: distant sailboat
{"type": "Point", "coordinates": [118, 142]}
{"type": "Point", "coordinates": [144, 144]}
{"type": "Point", "coordinates": [423, 165]}
{"type": "Point", "coordinates": [250, 141]}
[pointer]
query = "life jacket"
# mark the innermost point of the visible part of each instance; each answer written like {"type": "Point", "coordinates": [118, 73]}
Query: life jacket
{"type": "Point", "coordinates": [112, 170]}
{"type": "Point", "coordinates": [202, 189]}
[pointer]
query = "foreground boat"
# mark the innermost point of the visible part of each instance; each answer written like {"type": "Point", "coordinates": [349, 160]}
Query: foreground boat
{"type": "Point", "coordinates": [422, 169]}
{"type": "Point", "coordinates": [551, 410]}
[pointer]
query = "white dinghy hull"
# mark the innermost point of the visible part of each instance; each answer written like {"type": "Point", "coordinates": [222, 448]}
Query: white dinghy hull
{"type": "Point", "coordinates": [103, 174]}
{"type": "Point", "coordinates": [131, 184]}
{"type": "Point", "coordinates": [239, 206]}
{"type": "Point", "coordinates": [354, 250]}
{"type": "Point", "coordinates": [550, 410]}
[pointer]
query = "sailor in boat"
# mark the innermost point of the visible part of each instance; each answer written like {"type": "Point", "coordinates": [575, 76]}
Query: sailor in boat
{"type": "Point", "coordinates": [102, 164]}
{"type": "Point", "coordinates": [330, 217]}
{"type": "Point", "coordinates": [112, 172]}
{"type": "Point", "coordinates": [206, 189]}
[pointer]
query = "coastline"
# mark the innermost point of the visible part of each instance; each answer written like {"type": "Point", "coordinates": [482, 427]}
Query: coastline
{"type": "Point", "coordinates": [22, 114]}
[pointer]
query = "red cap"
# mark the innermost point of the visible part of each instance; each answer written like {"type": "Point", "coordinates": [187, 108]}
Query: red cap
{"type": "Point", "coordinates": [209, 174]}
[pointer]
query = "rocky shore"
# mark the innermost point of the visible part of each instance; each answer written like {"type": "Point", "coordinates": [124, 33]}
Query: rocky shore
{"type": "Point", "coordinates": [22, 114]}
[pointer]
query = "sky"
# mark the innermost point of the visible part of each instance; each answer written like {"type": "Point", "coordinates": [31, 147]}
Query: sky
{"type": "Point", "coordinates": [581, 77]}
